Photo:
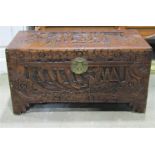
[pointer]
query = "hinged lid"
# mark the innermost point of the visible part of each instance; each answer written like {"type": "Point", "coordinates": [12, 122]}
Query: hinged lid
{"type": "Point", "coordinates": [69, 40]}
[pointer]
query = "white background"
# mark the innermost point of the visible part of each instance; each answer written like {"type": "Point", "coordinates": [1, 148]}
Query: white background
{"type": "Point", "coordinates": [6, 35]}
{"type": "Point", "coordinates": [76, 141]}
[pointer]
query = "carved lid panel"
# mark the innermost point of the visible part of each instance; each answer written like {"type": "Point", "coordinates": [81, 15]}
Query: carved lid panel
{"type": "Point", "coordinates": [75, 40]}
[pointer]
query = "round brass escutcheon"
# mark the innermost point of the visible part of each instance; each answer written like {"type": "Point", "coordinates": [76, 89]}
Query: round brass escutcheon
{"type": "Point", "coordinates": [79, 65]}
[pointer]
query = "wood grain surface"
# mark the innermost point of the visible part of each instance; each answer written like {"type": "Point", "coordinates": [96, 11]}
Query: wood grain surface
{"type": "Point", "coordinates": [39, 66]}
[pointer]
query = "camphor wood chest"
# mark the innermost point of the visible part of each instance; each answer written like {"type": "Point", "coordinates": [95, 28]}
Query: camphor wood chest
{"type": "Point", "coordinates": [83, 66]}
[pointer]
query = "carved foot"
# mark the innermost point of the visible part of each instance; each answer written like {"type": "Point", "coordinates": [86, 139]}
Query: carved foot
{"type": "Point", "coordinates": [19, 103]}
{"type": "Point", "coordinates": [138, 107]}
{"type": "Point", "coordinates": [21, 107]}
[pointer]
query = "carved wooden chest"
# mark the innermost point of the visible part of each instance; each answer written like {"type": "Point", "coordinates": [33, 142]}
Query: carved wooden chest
{"type": "Point", "coordinates": [90, 66]}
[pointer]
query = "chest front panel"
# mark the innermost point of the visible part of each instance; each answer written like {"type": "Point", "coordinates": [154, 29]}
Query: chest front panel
{"type": "Point", "coordinates": [111, 75]}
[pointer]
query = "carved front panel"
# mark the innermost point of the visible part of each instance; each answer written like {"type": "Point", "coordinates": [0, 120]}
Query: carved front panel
{"type": "Point", "coordinates": [111, 76]}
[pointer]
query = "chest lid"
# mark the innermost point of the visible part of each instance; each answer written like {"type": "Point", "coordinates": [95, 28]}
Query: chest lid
{"type": "Point", "coordinates": [75, 40]}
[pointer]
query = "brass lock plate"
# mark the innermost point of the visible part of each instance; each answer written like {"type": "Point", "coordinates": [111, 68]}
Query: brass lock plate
{"type": "Point", "coordinates": [79, 65]}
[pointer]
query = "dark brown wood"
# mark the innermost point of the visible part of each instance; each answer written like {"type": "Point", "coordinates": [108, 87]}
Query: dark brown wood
{"type": "Point", "coordinates": [39, 68]}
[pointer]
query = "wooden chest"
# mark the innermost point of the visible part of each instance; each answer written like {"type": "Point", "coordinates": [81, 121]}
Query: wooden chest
{"type": "Point", "coordinates": [90, 66]}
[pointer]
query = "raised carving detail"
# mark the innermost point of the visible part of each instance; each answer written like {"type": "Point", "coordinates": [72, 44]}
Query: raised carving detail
{"type": "Point", "coordinates": [41, 75]}
{"type": "Point", "coordinates": [61, 77]}
{"type": "Point", "coordinates": [62, 38]}
{"type": "Point", "coordinates": [44, 78]}
{"type": "Point", "coordinates": [90, 55]}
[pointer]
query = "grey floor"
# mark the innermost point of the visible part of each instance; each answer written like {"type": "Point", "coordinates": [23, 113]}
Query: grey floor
{"type": "Point", "coordinates": [49, 117]}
